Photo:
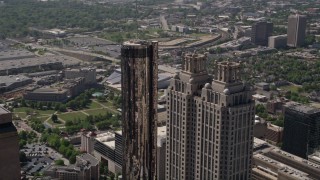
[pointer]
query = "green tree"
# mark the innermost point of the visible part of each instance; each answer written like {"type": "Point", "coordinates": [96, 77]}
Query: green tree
{"type": "Point", "coordinates": [59, 162]}
{"type": "Point", "coordinates": [72, 159]}
{"type": "Point", "coordinates": [54, 118]}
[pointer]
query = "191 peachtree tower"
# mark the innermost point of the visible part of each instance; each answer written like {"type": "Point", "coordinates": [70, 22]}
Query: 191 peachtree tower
{"type": "Point", "coordinates": [210, 123]}
{"type": "Point", "coordinates": [139, 109]}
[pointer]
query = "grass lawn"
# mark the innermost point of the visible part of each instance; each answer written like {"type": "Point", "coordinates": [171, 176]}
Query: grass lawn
{"type": "Point", "coordinates": [94, 105]}
{"type": "Point", "coordinates": [71, 116]}
{"type": "Point", "coordinates": [107, 103]}
{"type": "Point", "coordinates": [22, 115]}
{"type": "Point", "coordinates": [40, 112]}
{"type": "Point", "coordinates": [291, 88]}
{"type": "Point", "coordinates": [96, 112]}
{"type": "Point", "coordinates": [43, 118]}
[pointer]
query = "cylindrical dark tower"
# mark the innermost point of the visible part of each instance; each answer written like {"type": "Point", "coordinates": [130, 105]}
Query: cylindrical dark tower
{"type": "Point", "coordinates": [139, 71]}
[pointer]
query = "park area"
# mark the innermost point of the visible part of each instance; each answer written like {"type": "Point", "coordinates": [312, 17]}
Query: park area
{"type": "Point", "coordinates": [95, 108]}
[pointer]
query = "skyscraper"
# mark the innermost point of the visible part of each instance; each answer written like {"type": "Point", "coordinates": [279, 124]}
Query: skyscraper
{"type": "Point", "coordinates": [261, 32]}
{"type": "Point", "coordinates": [296, 30]}
{"type": "Point", "coordinates": [306, 121]}
{"type": "Point", "coordinates": [9, 151]}
{"type": "Point", "coordinates": [210, 125]}
{"type": "Point", "coordinates": [139, 109]}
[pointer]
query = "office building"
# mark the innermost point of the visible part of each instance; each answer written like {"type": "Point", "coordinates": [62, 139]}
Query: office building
{"type": "Point", "coordinates": [261, 32]}
{"type": "Point", "coordinates": [210, 125]}
{"type": "Point", "coordinates": [58, 93]}
{"type": "Point", "coordinates": [274, 134]}
{"type": "Point", "coordinates": [86, 167]}
{"type": "Point", "coordinates": [306, 121]}
{"type": "Point", "coordinates": [107, 147]}
{"type": "Point", "coordinates": [296, 30]}
{"type": "Point", "coordinates": [139, 77]}
{"type": "Point", "coordinates": [277, 41]}
{"type": "Point", "coordinates": [89, 74]}
{"type": "Point", "coordinates": [87, 142]}
{"type": "Point", "coordinates": [9, 143]}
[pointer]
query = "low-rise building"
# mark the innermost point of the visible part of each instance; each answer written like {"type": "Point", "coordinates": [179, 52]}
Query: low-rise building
{"type": "Point", "coordinates": [44, 63]}
{"type": "Point", "coordinates": [277, 41]}
{"type": "Point", "coordinates": [274, 106]}
{"type": "Point", "coordinates": [89, 74]}
{"type": "Point", "coordinates": [263, 86]}
{"type": "Point", "coordinates": [8, 83]}
{"type": "Point", "coordinates": [13, 54]}
{"type": "Point", "coordinates": [108, 147]}
{"type": "Point", "coordinates": [269, 162]}
{"type": "Point", "coordinates": [70, 88]}
{"type": "Point", "coordinates": [47, 94]}
{"type": "Point", "coordinates": [86, 167]}
{"type": "Point", "coordinates": [274, 133]}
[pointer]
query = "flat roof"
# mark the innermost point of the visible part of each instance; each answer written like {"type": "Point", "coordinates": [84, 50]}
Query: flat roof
{"type": "Point", "coordinates": [88, 157]}
{"type": "Point", "coordinates": [111, 144]}
{"type": "Point", "coordinates": [4, 111]}
{"type": "Point", "coordinates": [8, 80]}
{"type": "Point", "coordinates": [27, 62]}
{"type": "Point", "coordinates": [49, 90]}
{"type": "Point", "coordinates": [303, 108]}
{"type": "Point", "coordinates": [15, 54]}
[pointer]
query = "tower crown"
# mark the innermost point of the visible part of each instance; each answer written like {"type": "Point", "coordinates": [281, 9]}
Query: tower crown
{"type": "Point", "coordinates": [227, 72]}
{"type": "Point", "coordinates": [194, 63]}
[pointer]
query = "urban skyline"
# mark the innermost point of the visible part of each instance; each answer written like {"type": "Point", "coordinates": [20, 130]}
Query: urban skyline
{"type": "Point", "coordinates": [166, 90]}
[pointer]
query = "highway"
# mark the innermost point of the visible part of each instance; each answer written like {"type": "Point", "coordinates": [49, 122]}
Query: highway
{"type": "Point", "coordinates": [164, 23]}
{"type": "Point", "coordinates": [54, 49]}
{"type": "Point", "coordinates": [85, 53]}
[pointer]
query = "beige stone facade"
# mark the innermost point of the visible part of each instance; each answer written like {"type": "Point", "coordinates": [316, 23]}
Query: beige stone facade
{"type": "Point", "coordinates": [210, 123]}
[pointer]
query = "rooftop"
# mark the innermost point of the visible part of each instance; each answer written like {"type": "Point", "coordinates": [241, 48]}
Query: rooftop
{"type": "Point", "coordinates": [28, 62]}
{"type": "Point", "coordinates": [5, 118]}
{"type": "Point", "coordinates": [303, 108]}
{"type": "Point", "coordinates": [4, 111]}
{"type": "Point", "coordinates": [8, 80]}
{"type": "Point", "coordinates": [15, 54]}
{"type": "Point", "coordinates": [89, 158]}
{"type": "Point", "coordinates": [49, 90]}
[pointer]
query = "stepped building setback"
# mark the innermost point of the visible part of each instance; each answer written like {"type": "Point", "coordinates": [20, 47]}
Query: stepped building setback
{"type": "Point", "coordinates": [210, 123]}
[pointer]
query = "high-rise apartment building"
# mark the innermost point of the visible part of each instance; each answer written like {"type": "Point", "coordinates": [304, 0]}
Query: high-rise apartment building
{"type": "Point", "coordinates": [210, 123]}
{"type": "Point", "coordinates": [261, 32]}
{"type": "Point", "coordinates": [296, 30]}
{"type": "Point", "coordinates": [139, 71]}
{"type": "Point", "coordinates": [9, 143]}
{"type": "Point", "coordinates": [301, 134]}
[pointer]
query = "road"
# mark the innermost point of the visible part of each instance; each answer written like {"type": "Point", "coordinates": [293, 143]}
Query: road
{"type": "Point", "coordinates": [164, 23]}
{"type": "Point", "coordinates": [114, 60]}
{"type": "Point", "coordinates": [168, 69]}
{"type": "Point", "coordinates": [85, 53]}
